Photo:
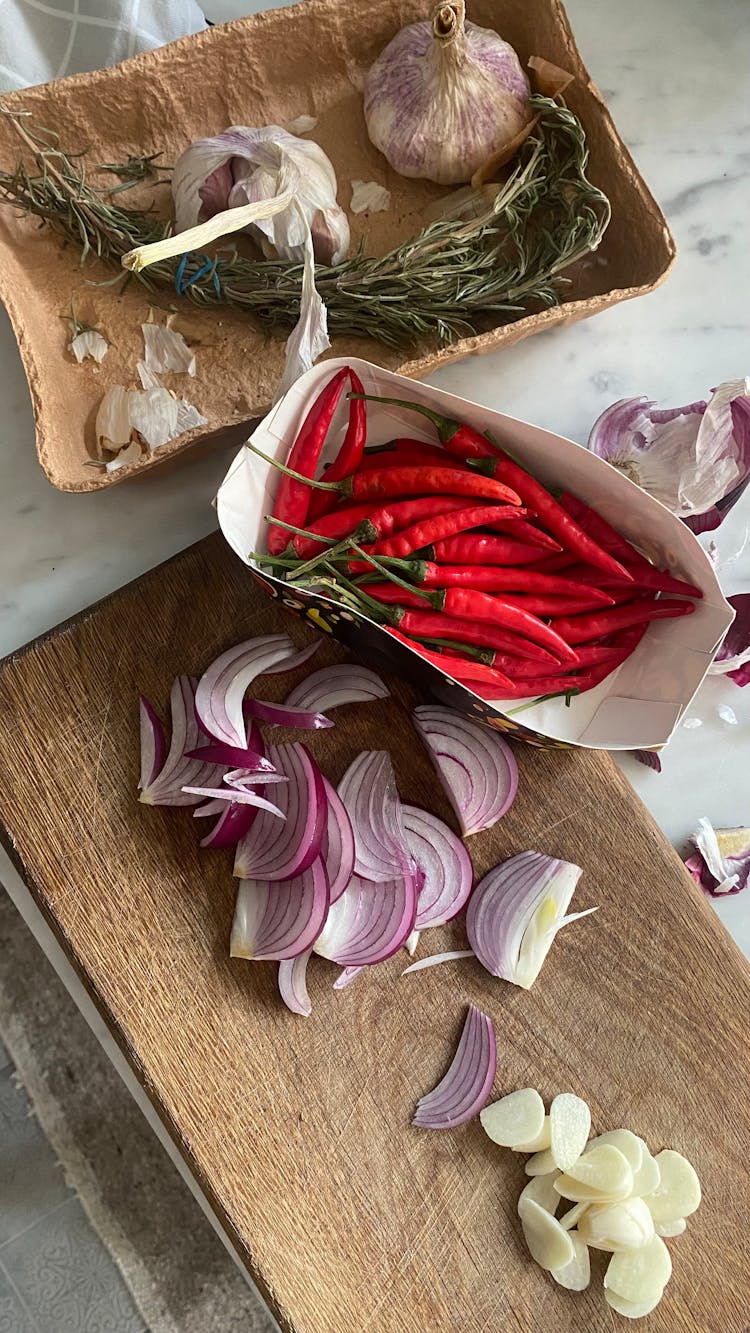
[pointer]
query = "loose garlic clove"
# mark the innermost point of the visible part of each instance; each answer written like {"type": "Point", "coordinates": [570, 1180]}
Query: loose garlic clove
{"type": "Point", "coordinates": [630, 1145]}
{"type": "Point", "coordinates": [639, 1275]}
{"type": "Point", "coordinates": [600, 1176]}
{"type": "Point", "coordinates": [617, 1226]}
{"type": "Point", "coordinates": [538, 1144]}
{"type": "Point", "coordinates": [570, 1126]}
{"type": "Point", "coordinates": [576, 1275]}
{"type": "Point", "coordinates": [540, 1164]}
{"type": "Point", "coordinates": [632, 1309]}
{"type": "Point", "coordinates": [679, 1192]}
{"type": "Point", "coordinates": [573, 1215]}
{"type": "Point", "coordinates": [515, 1118]}
{"type": "Point", "coordinates": [549, 1245]}
{"type": "Point", "coordinates": [670, 1228]}
{"type": "Point", "coordinates": [646, 1178]}
{"type": "Point", "coordinates": [540, 1189]}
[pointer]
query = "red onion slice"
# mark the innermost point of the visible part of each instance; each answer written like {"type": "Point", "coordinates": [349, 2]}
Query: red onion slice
{"type": "Point", "coordinates": [240, 797]}
{"type": "Point", "coordinates": [235, 820]}
{"type": "Point", "coordinates": [369, 922]}
{"type": "Point", "coordinates": [221, 688]}
{"type": "Point", "coordinates": [332, 686]}
{"type": "Point", "coordinates": [209, 808]}
{"type": "Point", "coordinates": [368, 791]}
{"type": "Point", "coordinates": [337, 847]}
{"type": "Point", "coordinates": [280, 919]}
{"type": "Point", "coordinates": [231, 756]}
{"type": "Point", "coordinates": [449, 956]}
{"type": "Point", "coordinates": [270, 853]}
{"type": "Point", "coordinates": [178, 770]}
{"type": "Point", "coordinates": [281, 715]}
{"type": "Point", "coordinates": [346, 977]}
{"type": "Point", "coordinates": [153, 743]}
{"type": "Point", "coordinates": [476, 767]}
{"type": "Point", "coordinates": [516, 911]}
{"type": "Point", "coordinates": [242, 778]}
{"type": "Point", "coordinates": [296, 660]}
{"type": "Point", "coordinates": [444, 864]}
{"type": "Point", "coordinates": [293, 983]}
{"type": "Point", "coordinates": [463, 1091]}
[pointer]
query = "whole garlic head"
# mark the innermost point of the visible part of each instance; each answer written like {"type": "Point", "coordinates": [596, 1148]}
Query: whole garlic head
{"type": "Point", "coordinates": [443, 96]}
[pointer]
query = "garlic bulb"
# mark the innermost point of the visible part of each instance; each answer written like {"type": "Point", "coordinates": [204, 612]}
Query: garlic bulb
{"type": "Point", "coordinates": [245, 166]}
{"type": "Point", "coordinates": [443, 96]}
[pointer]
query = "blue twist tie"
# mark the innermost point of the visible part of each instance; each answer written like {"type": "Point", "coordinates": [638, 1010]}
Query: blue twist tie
{"type": "Point", "coordinates": [210, 266]}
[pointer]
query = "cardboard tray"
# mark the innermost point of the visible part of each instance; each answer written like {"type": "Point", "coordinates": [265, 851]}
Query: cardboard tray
{"type": "Point", "coordinates": [272, 67]}
{"type": "Point", "coordinates": [636, 707]}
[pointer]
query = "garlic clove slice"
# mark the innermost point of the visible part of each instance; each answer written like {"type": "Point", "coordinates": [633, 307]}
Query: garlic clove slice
{"type": "Point", "coordinates": [646, 1178]}
{"type": "Point", "coordinates": [632, 1309]}
{"type": "Point", "coordinates": [617, 1226]}
{"type": "Point", "coordinates": [542, 1140]}
{"type": "Point", "coordinates": [630, 1145]}
{"type": "Point", "coordinates": [670, 1228]}
{"type": "Point", "coordinates": [515, 1118]}
{"type": "Point", "coordinates": [540, 1189]}
{"type": "Point", "coordinates": [570, 1126]}
{"type": "Point", "coordinates": [548, 1244]}
{"type": "Point", "coordinates": [573, 1215]}
{"type": "Point", "coordinates": [600, 1176]}
{"type": "Point", "coordinates": [678, 1193]}
{"type": "Point", "coordinates": [541, 1164]}
{"type": "Point", "coordinates": [639, 1275]}
{"type": "Point", "coordinates": [576, 1274]}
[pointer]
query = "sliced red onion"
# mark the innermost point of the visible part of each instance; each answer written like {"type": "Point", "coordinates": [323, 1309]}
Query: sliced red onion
{"type": "Point", "coordinates": [721, 861]}
{"type": "Point", "coordinates": [242, 778]}
{"type": "Point", "coordinates": [462, 1093]}
{"type": "Point", "coordinates": [297, 659]}
{"type": "Point", "coordinates": [434, 959]}
{"type": "Point", "coordinates": [368, 791]}
{"type": "Point", "coordinates": [733, 657]}
{"type": "Point", "coordinates": [411, 944]}
{"type": "Point", "coordinates": [234, 822]}
{"type": "Point", "coordinates": [476, 767]}
{"type": "Point", "coordinates": [280, 919]}
{"type": "Point", "coordinates": [346, 977]}
{"type": "Point", "coordinates": [231, 756]}
{"type": "Point", "coordinates": [221, 688]}
{"type": "Point", "coordinates": [209, 808]}
{"type": "Point", "coordinates": [515, 912]}
{"type": "Point", "coordinates": [348, 683]}
{"type": "Point", "coordinates": [293, 983]}
{"type": "Point", "coordinates": [270, 853]}
{"type": "Point", "coordinates": [179, 771]}
{"type": "Point", "coordinates": [281, 715]}
{"type": "Point", "coordinates": [337, 847]}
{"type": "Point", "coordinates": [444, 863]}
{"type": "Point", "coordinates": [369, 923]}
{"type": "Point", "coordinates": [649, 758]}
{"type": "Point", "coordinates": [153, 743]}
{"type": "Point", "coordinates": [234, 795]}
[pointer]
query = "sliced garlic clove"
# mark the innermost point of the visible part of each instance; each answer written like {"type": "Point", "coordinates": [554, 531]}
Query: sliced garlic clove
{"type": "Point", "coordinates": [515, 1118]}
{"type": "Point", "coordinates": [630, 1145]}
{"type": "Point", "coordinates": [548, 1244]}
{"type": "Point", "coordinates": [538, 1144]}
{"type": "Point", "coordinates": [639, 1275]}
{"type": "Point", "coordinates": [646, 1178]}
{"type": "Point", "coordinates": [570, 1126]}
{"type": "Point", "coordinates": [573, 1215]}
{"type": "Point", "coordinates": [670, 1228]}
{"type": "Point", "coordinates": [617, 1226]}
{"type": "Point", "coordinates": [632, 1309]}
{"type": "Point", "coordinates": [576, 1275]}
{"type": "Point", "coordinates": [679, 1192]}
{"type": "Point", "coordinates": [540, 1164]}
{"type": "Point", "coordinates": [600, 1176]}
{"type": "Point", "coordinates": [541, 1190]}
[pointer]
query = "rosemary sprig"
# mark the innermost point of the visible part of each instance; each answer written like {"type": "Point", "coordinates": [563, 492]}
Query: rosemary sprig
{"type": "Point", "coordinates": [453, 279]}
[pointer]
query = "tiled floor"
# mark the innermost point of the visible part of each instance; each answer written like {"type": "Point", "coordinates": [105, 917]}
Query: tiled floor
{"type": "Point", "coordinates": [55, 1274]}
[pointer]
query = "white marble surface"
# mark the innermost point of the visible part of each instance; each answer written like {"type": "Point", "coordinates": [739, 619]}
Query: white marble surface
{"type": "Point", "coordinates": [674, 74]}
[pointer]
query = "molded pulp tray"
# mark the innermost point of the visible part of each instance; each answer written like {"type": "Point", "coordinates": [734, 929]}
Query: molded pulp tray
{"type": "Point", "coordinates": [273, 67]}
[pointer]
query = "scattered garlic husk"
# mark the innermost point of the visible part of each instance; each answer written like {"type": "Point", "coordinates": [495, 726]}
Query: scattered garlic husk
{"type": "Point", "coordinates": [301, 125]}
{"type": "Point", "coordinates": [369, 197]}
{"type": "Point", "coordinates": [152, 415]}
{"type": "Point", "coordinates": [165, 349]}
{"type": "Point", "coordinates": [89, 343]}
{"type": "Point", "coordinates": [444, 96]}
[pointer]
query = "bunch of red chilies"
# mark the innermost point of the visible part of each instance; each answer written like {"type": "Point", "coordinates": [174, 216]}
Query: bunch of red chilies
{"type": "Point", "coordinates": [462, 554]}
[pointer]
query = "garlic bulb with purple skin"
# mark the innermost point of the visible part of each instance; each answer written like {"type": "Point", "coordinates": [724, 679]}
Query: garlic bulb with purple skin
{"type": "Point", "coordinates": [443, 96]}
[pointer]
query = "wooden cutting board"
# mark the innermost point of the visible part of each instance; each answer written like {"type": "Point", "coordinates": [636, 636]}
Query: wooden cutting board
{"type": "Point", "coordinates": [299, 1130]}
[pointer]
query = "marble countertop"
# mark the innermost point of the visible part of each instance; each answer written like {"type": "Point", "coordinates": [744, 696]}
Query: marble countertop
{"type": "Point", "coordinates": [669, 73]}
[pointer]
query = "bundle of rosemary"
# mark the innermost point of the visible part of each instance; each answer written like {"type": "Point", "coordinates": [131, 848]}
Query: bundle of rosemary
{"type": "Point", "coordinates": [455, 278]}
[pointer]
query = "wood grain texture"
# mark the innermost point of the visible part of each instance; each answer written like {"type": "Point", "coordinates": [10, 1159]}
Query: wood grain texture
{"type": "Point", "coordinates": [298, 1130]}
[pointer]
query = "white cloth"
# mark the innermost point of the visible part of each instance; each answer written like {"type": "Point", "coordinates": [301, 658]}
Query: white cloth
{"type": "Point", "coordinates": [41, 40]}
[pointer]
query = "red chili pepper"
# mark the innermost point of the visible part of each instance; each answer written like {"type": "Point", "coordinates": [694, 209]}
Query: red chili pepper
{"type": "Point", "coordinates": [349, 455]}
{"type": "Point", "coordinates": [428, 480]}
{"type": "Point", "coordinates": [463, 441]}
{"type": "Point", "coordinates": [436, 625]}
{"type": "Point", "coordinates": [589, 654]}
{"type": "Point", "coordinates": [497, 579]}
{"type": "Point", "coordinates": [404, 452]}
{"type": "Point", "coordinates": [435, 529]}
{"type": "Point", "coordinates": [556, 605]}
{"type": "Point", "coordinates": [555, 564]}
{"type": "Point", "coordinates": [383, 519]}
{"type": "Point", "coordinates": [525, 532]}
{"type": "Point", "coordinates": [459, 668]}
{"type": "Point", "coordinates": [655, 579]}
{"type": "Point", "coordinates": [643, 572]}
{"type": "Point", "coordinates": [580, 629]}
{"type": "Point", "coordinates": [476, 549]}
{"type": "Point", "coordinates": [466, 604]}
{"type": "Point", "coordinates": [293, 497]}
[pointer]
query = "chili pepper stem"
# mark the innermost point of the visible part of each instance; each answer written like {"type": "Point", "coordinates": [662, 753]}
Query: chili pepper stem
{"type": "Point", "coordinates": [295, 476]}
{"type": "Point", "coordinates": [442, 424]}
{"type": "Point", "coordinates": [389, 574]}
{"type": "Point", "coordinates": [532, 703]}
{"type": "Point", "coordinates": [341, 548]}
{"type": "Point", "coordinates": [300, 532]}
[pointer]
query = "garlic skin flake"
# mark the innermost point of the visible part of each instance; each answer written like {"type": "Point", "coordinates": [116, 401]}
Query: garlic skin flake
{"type": "Point", "coordinates": [369, 197]}
{"type": "Point", "coordinates": [152, 415]}
{"type": "Point", "coordinates": [166, 349]}
{"type": "Point", "coordinates": [89, 343]}
{"type": "Point", "coordinates": [444, 96]}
